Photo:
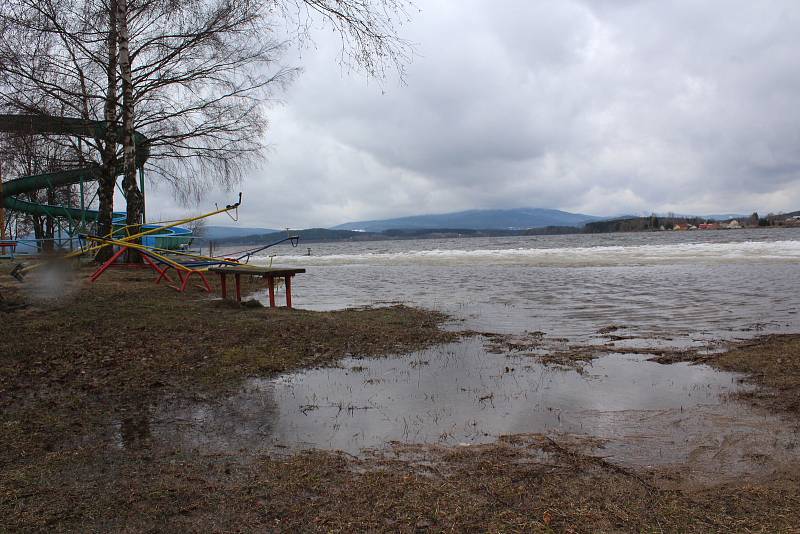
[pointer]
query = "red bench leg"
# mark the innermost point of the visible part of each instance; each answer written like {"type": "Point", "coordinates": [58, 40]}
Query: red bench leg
{"type": "Point", "coordinates": [223, 285]}
{"type": "Point", "coordinates": [237, 277]}
{"type": "Point", "coordinates": [271, 287]}
{"type": "Point", "coordinates": [288, 281]}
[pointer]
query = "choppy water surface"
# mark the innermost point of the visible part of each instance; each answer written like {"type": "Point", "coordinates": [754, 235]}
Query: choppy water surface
{"type": "Point", "coordinates": [667, 289]}
{"type": "Point", "coordinates": [704, 284]}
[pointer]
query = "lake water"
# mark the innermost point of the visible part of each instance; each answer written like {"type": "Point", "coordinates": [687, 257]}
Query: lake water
{"type": "Point", "coordinates": [703, 284]}
{"type": "Point", "coordinates": [670, 289]}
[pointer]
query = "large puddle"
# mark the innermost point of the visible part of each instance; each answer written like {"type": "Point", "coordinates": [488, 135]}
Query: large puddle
{"type": "Point", "coordinates": [460, 394]}
{"type": "Point", "coordinates": [622, 294]}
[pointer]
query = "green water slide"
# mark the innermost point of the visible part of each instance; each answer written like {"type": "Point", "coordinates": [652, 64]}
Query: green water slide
{"type": "Point", "coordinates": [78, 217]}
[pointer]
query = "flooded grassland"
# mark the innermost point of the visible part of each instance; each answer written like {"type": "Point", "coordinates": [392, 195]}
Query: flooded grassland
{"type": "Point", "coordinates": [567, 386]}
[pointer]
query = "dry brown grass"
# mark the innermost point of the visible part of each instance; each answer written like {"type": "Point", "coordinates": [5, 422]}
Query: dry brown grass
{"type": "Point", "coordinates": [520, 484]}
{"type": "Point", "coordinates": [124, 336]}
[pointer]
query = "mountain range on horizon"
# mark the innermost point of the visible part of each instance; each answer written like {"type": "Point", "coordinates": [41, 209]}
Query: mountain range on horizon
{"type": "Point", "coordinates": [475, 219]}
{"type": "Point", "coordinates": [494, 219]}
{"type": "Point", "coordinates": [485, 219]}
{"type": "Point", "coordinates": [228, 232]}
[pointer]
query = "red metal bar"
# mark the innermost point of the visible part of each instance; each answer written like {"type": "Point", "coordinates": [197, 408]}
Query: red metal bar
{"type": "Point", "coordinates": [271, 287]}
{"type": "Point", "coordinates": [223, 285]}
{"type": "Point", "coordinates": [184, 279]}
{"type": "Point", "coordinates": [129, 266]}
{"type": "Point", "coordinates": [107, 264]}
{"type": "Point", "coordinates": [288, 281]}
{"type": "Point", "coordinates": [238, 277]}
{"type": "Point", "coordinates": [162, 273]}
{"type": "Point", "coordinates": [183, 283]}
{"type": "Point", "coordinates": [206, 286]}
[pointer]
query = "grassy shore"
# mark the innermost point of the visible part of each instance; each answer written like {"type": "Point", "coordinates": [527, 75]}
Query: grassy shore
{"type": "Point", "coordinates": [94, 356]}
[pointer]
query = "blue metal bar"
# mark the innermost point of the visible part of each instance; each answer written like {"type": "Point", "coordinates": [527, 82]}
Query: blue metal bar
{"type": "Point", "coordinates": [295, 239]}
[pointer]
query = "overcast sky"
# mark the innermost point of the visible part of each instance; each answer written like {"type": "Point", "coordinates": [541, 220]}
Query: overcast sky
{"type": "Point", "coordinates": [598, 106]}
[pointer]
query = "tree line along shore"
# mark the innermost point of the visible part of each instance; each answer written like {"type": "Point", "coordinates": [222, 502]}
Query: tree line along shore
{"type": "Point", "coordinates": [627, 224]}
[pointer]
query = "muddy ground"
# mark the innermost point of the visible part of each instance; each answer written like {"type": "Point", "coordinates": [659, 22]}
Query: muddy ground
{"type": "Point", "coordinates": [77, 358]}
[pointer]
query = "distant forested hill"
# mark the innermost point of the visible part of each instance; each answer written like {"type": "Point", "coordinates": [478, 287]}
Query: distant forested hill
{"type": "Point", "coordinates": [226, 232]}
{"type": "Point", "coordinates": [519, 218]}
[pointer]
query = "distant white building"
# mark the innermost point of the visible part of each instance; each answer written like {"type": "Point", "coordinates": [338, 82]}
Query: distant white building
{"type": "Point", "coordinates": [734, 224]}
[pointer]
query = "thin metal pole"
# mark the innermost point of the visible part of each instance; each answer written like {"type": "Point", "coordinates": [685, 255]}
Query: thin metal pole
{"type": "Point", "coordinates": [141, 186]}
{"type": "Point", "coordinates": [83, 205]}
{"type": "Point", "coordinates": [2, 210]}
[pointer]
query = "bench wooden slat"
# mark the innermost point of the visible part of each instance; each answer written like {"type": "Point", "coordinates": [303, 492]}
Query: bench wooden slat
{"type": "Point", "coordinates": [263, 271]}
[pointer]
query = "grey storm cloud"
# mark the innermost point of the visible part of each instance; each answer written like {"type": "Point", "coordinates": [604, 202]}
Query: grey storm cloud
{"type": "Point", "coordinates": [602, 107]}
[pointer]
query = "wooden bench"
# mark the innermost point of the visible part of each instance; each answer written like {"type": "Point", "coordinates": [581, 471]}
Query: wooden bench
{"type": "Point", "coordinates": [269, 273]}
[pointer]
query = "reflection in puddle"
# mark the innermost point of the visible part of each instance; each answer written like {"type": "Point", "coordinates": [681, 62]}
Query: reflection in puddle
{"type": "Point", "coordinates": [461, 394]}
{"type": "Point", "coordinates": [622, 293]}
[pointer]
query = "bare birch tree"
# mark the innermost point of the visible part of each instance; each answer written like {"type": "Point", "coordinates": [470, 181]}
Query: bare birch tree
{"type": "Point", "coordinates": [108, 149]}
{"type": "Point", "coordinates": [192, 76]}
{"type": "Point", "coordinates": [133, 196]}
{"type": "Point", "coordinates": [61, 56]}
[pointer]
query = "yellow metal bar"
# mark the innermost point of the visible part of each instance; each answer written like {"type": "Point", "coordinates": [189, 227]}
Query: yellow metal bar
{"type": "Point", "coordinates": [161, 228]}
{"type": "Point", "coordinates": [143, 248]}
{"type": "Point", "coordinates": [126, 240]}
{"type": "Point", "coordinates": [178, 223]}
{"type": "Point", "coordinates": [190, 255]}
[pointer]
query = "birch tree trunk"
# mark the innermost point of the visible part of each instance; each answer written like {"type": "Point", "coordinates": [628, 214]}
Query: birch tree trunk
{"type": "Point", "coordinates": [105, 191]}
{"type": "Point", "coordinates": [133, 196]}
